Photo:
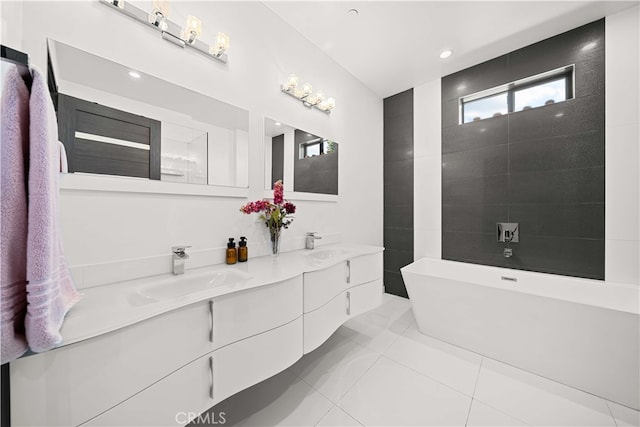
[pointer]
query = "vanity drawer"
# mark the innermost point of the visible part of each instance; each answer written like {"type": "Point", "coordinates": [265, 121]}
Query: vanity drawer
{"type": "Point", "coordinates": [71, 384]}
{"type": "Point", "coordinates": [174, 400]}
{"type": "Point", "coordinates": [363, 298]}
{"type": "Point", "coordinates": [244, 314]}
{"type": "Point", "coordinates": [323, 285]}
{"type": "Point", "coordinates": [366, 268]}
{"type": "Point", "coordinates": [247, 362]}
{"type": "Point", "coordinates": [321, 323]}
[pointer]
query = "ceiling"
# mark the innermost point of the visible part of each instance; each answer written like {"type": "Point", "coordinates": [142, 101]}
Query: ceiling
{"type": "Point", "coordinates": [391, 46]}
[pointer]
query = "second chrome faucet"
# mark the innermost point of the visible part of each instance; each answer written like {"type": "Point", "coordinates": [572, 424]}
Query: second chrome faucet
{"type": "Point", "coordinates": [310, 242]}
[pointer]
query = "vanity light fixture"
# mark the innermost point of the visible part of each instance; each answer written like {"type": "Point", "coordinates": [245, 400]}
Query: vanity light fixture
{"type": "Point", "coordinates": [158, 18]}
{"type": "Point", "coordinates": [306, 95]}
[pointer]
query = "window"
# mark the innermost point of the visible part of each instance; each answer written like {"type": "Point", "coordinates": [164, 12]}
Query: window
{"type": "Point", "coordinates": [532, 92]}
{"type": "Point", "coordinates": [486, 107]}
{"type": "Point", "coordinates": [316, 147]}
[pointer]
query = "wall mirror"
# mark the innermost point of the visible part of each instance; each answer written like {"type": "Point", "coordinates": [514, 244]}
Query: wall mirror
{"type": "Point", "coordinates": [307, 163]}
{"type": "Point", "coordinates": [115, 120]}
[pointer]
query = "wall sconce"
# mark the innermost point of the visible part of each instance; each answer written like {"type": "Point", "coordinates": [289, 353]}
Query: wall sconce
{"type": "Point", "coordinates": [306, 95]}
{"type": "Point", "coordinates": [187, 36]}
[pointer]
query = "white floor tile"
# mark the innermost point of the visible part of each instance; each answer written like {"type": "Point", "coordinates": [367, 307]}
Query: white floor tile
{"type": "Point", "coordinates": [390, 394]}
{"type": "Point", "coordinates": [381, 327]}
{"type": "Point", "coordinates": [536, 400]}
{"type": "Point", "coordinates": [282, 400]}
{"type": "Point", "coordinates": [337, 417]}
{"type": "Point", "coordinates": [483, 415]}
{"type": "Point", "coordinates": [335, 366]}
{"type": "Point", "coordinates": [624, 416]}
{"type": "Point", "coordinates": [450, 365]}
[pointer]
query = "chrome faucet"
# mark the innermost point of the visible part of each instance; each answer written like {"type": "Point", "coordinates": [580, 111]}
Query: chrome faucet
{"type": "Point", "coordinates": [311, 240]}
{"type": "Point", "coordinates": [179, 257]}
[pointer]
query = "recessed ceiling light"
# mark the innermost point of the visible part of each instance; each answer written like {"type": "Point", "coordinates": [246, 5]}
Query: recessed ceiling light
{"type": "Point", "coordinates": [353, 12]}
{"type": "Point", "coordinates": [134, 74]}
{"type": "Point", "coordinates": [446, 53]}
{"type": "Point", "coordinates": [278, 124]}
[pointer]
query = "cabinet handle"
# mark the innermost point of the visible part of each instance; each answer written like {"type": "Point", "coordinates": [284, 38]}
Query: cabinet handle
{"type": "Point", "coordinates": [210, 321]}
{"type": "Point", "coordinates": [211, 369]}
{"type": "Point", "coordinates": [348, 303]}
{"type": "Point", "coordinates": [348, 271]}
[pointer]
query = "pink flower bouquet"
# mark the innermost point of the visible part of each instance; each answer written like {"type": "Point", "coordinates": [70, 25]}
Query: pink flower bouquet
{"type": "Point", "coordinates": [276, 215]}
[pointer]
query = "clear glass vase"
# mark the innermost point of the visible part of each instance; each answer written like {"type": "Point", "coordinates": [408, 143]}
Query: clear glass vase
{"type": "Point", "coordinates": [275, 241]}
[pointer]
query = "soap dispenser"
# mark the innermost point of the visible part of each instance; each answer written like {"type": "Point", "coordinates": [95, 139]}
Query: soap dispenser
{"type": "Point", "coordinates": [232, 253]}
{"type": "Point", "coordinates": [243, 251]}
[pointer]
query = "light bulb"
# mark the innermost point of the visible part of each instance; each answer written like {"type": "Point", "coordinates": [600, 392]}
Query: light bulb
{"type": "Point", "coordinates": [331, 103]}
{"type": "Point", "coordinates": [192, 29]}
{"type": "Point", "coordinates": [159, 11]}
{"type": "Point", "coordinates": [307, 89]}
{"type": "Point", "coordinates": [446, 53]}
{"type": "Point", "coordinates": [221, 45]}
{"type": "Point", "coordinates": [292, 81]}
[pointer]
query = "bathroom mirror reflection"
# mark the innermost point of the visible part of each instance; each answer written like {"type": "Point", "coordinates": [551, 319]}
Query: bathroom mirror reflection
{"type": "Point", "coordinates": [306, 162]}
{"type": "Point", "coordinates": [115, 120]}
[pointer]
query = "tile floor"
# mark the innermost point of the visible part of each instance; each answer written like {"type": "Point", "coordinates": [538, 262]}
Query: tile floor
{"type": "Point", "coordinates": [379, 370]}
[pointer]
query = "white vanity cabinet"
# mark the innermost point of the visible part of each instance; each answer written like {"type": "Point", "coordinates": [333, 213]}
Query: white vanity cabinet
{"type": "Point", "coordinates": [335, 294]}
{"type": "Point", "coordinates": [208, 380]}
{"type": "Point", "coordinates": [149, 372]}
{"type": "Point", "coordinates": [72, 384]}
{"type": "Point", "coordinates": [164, 364]}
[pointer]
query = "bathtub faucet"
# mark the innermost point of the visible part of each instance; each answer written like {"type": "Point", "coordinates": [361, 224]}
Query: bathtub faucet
{"type": "Point", "coordinates": [508, 252]}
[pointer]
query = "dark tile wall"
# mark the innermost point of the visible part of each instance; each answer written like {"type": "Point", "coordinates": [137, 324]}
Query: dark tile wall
{"type": "Point", "coordinates": [398, 189]}
{"type": "Point", "coordinates": [542, 168]}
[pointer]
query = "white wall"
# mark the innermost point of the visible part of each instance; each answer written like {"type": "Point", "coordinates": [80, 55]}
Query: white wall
{"type": "Point", "coordinates": [622, 155]}
{"type": "Point", "coordinates": [105, 227]}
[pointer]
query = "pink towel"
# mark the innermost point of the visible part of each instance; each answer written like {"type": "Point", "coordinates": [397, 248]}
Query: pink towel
{"type": "Point", "coordinates": [14, 150]}
{"type": "Point", "coordinates": [50, 288]}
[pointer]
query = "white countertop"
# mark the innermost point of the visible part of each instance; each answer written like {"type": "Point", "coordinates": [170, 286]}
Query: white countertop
{"type": "Point", "coordinates": [110, 307]}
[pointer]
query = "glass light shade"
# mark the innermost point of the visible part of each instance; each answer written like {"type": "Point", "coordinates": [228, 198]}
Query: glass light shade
{"type": "Point", "coordinates": [319, 96]}
{"type": "Point", "coordinates": [331, 103]}
{"type": "Point", "coordinates": [193, 29]}
{"type": "Point", "coordinates": [307, 89]}
{"type": "Point", "coordinates": [292, 81]}
{"type": "Point", "coordinates": [222, 43]}
{"type": "Point", "coordinates": [161, 7]}
{"type": "Point", "coordinates": [312, 99]}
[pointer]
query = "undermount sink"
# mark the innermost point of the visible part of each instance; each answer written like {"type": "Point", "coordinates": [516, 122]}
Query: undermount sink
{"type": "Point", "coordinates": [326, 254]}
{"type": "Point", "coordinates": [179, 287]}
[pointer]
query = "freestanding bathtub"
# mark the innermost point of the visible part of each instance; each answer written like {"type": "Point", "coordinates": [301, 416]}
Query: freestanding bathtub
{"type": "Point", "coordinates": [580, 332]}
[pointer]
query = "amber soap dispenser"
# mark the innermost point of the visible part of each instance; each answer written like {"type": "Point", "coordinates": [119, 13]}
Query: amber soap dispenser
{"type": "Point", "coordinates": [232, 253]}
{"type": "Point", "coordinates": [243, 251]}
